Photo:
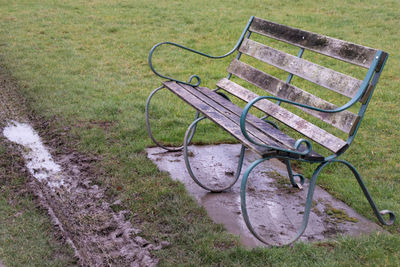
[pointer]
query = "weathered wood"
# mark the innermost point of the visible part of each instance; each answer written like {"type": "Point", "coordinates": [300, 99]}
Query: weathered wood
{"type": "Point", "coordinates": [231, 127]}
{"type": "Point", "coordinates": [342, 50]}
{"type": "Point", "coordinates": [343, 120]}
{"type": "Point", "coordinates": [254, 124]}
{"type": "Point", "coordinates": [295, 122]}
{"type": "Point", "coordinates": [333, 80]}
{"type": "Point", "coordinates": [232, 112]}
{"type": "Point", "coordinates": [227, 115]}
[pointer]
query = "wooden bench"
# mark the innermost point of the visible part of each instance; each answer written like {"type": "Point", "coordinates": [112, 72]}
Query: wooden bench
{"type": "Point", "coordinates": [262, 134]}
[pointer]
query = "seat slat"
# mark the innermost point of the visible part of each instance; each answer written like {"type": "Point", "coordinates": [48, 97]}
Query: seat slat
{"type": "Point", "coordinates": [333, 80]}
{"type": "Point", "coordinates": [226, 114]}
{"type": "Point", "coordinates": [254, 124]}
{"type": "Point", "coordinates": [256, 127]}
{"type": "Point", "coordinates": [231, 127]}
{"type": "Point", "coordinates": [295, 122]}
{"type": "Point", "coordinates": [344, 120]}
{"type": "Point", "coordinates": [342, 50]}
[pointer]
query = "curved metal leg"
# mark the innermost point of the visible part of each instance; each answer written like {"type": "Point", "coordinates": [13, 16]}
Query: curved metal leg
{"type": "Point", "coordinates": [378, 213]}
{"type": "Point", "coordinates": [306, 210]}
{"type": "Point", "coordinates": [148, 123]}
{"type": "Point", "coordinates": [188, 137]}
{"type": "Point", "coordinates": [292, 175]}
{"type": "Point", "coordinates": [309, 198]}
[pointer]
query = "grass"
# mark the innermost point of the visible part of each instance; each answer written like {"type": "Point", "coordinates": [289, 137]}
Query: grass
{"type": "Point", "coordinates": [83, 64]}
{"type": "Point", "coordinates": [26, 235]}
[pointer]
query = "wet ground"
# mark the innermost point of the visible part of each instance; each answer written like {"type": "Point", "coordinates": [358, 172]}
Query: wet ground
{"type": "Point", "coordinates": [64, 184]}
{"type": "Point", "coordinates": [275, 208]}
{"type": "Point", "coordinates": [78, 207]}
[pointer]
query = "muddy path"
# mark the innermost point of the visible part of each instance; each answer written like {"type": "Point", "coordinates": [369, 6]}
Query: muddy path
{"type": "Point", "coordinates": [94, 225]}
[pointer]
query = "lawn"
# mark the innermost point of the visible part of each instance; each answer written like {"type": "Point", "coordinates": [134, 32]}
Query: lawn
{"type": "Point", "coordinates": [82, 65]}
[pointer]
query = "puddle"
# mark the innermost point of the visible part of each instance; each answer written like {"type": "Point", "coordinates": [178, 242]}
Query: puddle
{"type": "Point", "coordinates": [274, 207]}
{"type": "Point", "coordinates": [38, 159]}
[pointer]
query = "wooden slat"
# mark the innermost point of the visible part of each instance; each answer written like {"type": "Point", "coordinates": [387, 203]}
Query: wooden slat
{"type": "Point", "coordinates": [295, 122]}
{"type": "Point", "coordinates": [333, 80]}
{"type": "Point", "coordinates": [234, 117]}
{"type": "Point", "coordinates": [216, 117]}
{"type": "Point", "coordinates": [342, 50]}
{"type": "Point", "coordinates": [343, 120]}
{"type": "Point", "coordinates": [227, 115]}
{"type": "Point", "coordinates": [254, 125]}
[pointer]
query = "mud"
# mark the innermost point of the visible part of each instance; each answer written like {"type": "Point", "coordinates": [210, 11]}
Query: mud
{"type": "Point", "coordinates": [275, 208]}
{"type": "Point", "coordinates": [79, 209]}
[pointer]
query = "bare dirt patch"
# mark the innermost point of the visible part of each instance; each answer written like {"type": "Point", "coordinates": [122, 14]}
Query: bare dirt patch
{"type": "Point", "coordinates": [79, 208]}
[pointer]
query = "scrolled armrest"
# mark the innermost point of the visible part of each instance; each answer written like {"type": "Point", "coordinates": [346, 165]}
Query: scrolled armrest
{"type": "Point", "coordinates": [242, 36]}
{"type": "Point", "coordinates": [190, 50]}
{"type": "Point", "coordinates": [298, 143]}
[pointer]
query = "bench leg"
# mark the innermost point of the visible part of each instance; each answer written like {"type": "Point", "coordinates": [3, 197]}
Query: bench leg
{"type": "Point", "coordinates": [321, 166]}
{"type": "Point", "coordinates": [188, 137]}
{"type": "Point", "coordinates": [307, 209]}
{"type": "Point", "coordinates": [378, 213]}
{"type": "Point", "coordinates": [292, 175]}
{"type": "Point", "coordinates": [149, 128]}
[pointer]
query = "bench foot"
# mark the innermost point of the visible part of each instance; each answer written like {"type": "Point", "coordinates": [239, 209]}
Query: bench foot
{"type": "Point", "coordinates": [306, 210]}
{"type": "Point", "coordinates": [188, 137]}
{"type": "Point", "coordinates": [308, 205]}
{"type": "Point", "coordinates": [379, 214]}
{"type": "Point", "coordinates": [175, 149]}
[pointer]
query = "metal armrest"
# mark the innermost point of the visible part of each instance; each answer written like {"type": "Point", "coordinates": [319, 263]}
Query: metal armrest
{"type": "Point", "coordinates": [298, 143]}
{"type": "Point", "coordinates": [196, 52]}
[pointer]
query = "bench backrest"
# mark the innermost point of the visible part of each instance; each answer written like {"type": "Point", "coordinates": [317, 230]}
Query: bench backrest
{"type": "Point", "coordinates": [343, 84]}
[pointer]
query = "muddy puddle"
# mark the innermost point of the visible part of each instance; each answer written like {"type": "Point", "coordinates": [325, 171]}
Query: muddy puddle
{"type": "Point", "coordinates": [275, 208]}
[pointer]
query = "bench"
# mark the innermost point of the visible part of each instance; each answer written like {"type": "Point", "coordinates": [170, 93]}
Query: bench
{"type": "Point", "coordinates": [262, 135]}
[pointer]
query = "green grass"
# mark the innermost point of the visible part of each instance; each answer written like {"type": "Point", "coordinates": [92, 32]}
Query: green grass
{"type": "Point", "coordinates": [83, 64]}
{"type": "Point", "coordinates": [26, 235]}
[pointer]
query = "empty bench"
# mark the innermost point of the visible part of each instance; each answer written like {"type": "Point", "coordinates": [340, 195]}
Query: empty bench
{"type": "Point", "coordinates": [262, 135]}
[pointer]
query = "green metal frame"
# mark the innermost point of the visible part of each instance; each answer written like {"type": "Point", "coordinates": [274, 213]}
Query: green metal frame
{"type": "Point", "coordinates": [148, 127]}
{"type": "Point", "coordinates": [186, 142]}
{"type": "Point", "coordinates": [286, 155]}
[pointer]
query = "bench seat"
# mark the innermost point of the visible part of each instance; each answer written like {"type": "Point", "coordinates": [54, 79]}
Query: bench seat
{"type": "Point", "coordinates": [226, 114]}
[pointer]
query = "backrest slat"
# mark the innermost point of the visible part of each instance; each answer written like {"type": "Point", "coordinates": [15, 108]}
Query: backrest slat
{"type": "Point", "coordinates": [344, 120]}
{"type": "Point", "coordinates": [333, 80]}
{"type": "Point", "coordinates": [306, 128]}
{"type": "Point", "coordinates": [342, 50]}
